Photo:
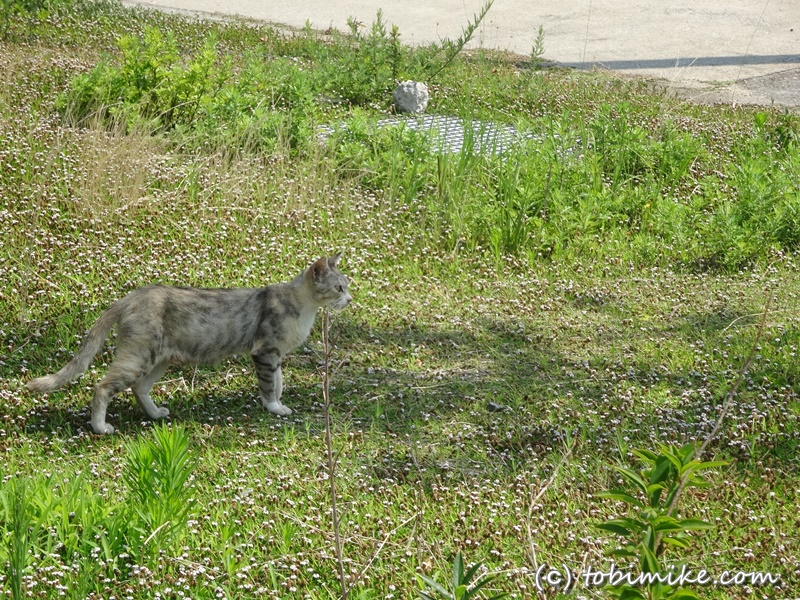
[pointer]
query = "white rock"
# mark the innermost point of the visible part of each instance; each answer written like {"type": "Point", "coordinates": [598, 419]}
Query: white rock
{"type": "Point", "coordinates": [410, 97]}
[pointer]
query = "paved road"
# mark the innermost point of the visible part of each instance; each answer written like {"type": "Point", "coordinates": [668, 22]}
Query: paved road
{"type": "Point", "coordinates": [738, 51]}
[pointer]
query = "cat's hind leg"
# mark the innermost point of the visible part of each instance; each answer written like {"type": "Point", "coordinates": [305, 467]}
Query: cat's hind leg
{"type": "Point", "coordinates": [270, 381]}
{"type": "Point", "coordinates": [120, 376]}
{"type": "Point", "coordinates": [141, 391]}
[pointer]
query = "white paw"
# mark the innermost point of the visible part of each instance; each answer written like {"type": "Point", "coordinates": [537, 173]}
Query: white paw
{"type": "Point", "coordinates": [276, 408]}
{"type": "Point", "coordinates": [161, 412]}
{"type": "Point", "coordinates": [102, 428]}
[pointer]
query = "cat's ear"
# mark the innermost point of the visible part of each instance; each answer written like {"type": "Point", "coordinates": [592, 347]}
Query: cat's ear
{"type": "Point", "coordinates": [334, 260]}
{"type": "Point", "coordinates": [318, 269]}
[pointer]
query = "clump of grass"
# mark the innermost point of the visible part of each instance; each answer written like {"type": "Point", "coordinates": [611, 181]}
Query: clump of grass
{"type": "Point", "coordinates": [158, 473]}
{"type": "Point", "coordinates": [16, 501]}
{"type": "Point", "coordinates": [63, 517]}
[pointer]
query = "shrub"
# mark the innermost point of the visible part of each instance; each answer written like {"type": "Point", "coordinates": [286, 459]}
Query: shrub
{"type": "Point", "coordinates": [152, 85]}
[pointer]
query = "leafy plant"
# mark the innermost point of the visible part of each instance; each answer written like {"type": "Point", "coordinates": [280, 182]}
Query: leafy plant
{"type": "Point", "coordinates": [652, 494]}
{"type": "Point", "coordinates": [153, 84]}
{"type": "Point", "coordinates": [537, 50]}
{"type": "Point", "coordinates": [784, 133]}
{"type": "Point", "coordinates": [452, 48]}
{"type": "Point", "coordinates": [158, 472]}
{"type": "Point", "coordinates": [372, 66]}
{"type": "Point", "coordinates": [462, 585]}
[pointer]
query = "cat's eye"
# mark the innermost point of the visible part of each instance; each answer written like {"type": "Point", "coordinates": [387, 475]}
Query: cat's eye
{"type": "Point", "coordinates": [339, 289]}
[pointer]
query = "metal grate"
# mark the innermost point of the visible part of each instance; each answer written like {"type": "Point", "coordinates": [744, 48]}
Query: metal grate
{"type": "Point", "coordinates": [449, 134]}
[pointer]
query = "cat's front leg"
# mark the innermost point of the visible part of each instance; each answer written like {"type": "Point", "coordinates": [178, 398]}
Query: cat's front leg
{"type": "Point", "coordinates": [270, 381]}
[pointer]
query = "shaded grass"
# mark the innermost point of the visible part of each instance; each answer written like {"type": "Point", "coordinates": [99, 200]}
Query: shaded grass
{"type": "Point", "coordinates": [610, 340]}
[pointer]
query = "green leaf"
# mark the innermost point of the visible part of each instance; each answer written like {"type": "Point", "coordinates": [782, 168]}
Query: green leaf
{"type": "Point", "coordinates": [689, 467]}
{"type": "Point", "coordinates": [633, 477]}
{"type": "Point", "coordinates": [690, 524]}
{"type": "Point", "coordinates": [713, 464]}
{"type": "Point", "coordinates": [647, 456]}
{"type": "Point", "coordinates": [661, 470]}
{"type": "Point", "coordinates": [614, 528]}
{"type": "Point", "coordinates": [665, 525]}
{"type": "Point", "coordinates": [434, 585]}
{"type": "Point", "coordinates": [621, 496]}
{"type": "Point", "coordinates": [482, 583]}
{"type": "Point", "coordinates": [458, 570]}
{"type": "Point", "coordinates": [676, 462]}
{"type": "Point", "coordinates": [655, 488]}
{"type": "Point", "coordinates": [649, 560]}
{"type": "Point", "coordinates": [631, 593]}
{"type": "Point", "coordinates": [470, 572]}
{"type": "Point", "coordinates": [682, 594]}
{"type": "Point", "coordinates": [675, 541]}
{"type": "Point", "coordinates": [622, 523]}
{"type": "Point", "coordinates": [687, 451]}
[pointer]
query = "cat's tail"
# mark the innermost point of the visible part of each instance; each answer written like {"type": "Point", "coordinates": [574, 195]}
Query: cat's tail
{"type": "Point", "coordinates": [93, 343]}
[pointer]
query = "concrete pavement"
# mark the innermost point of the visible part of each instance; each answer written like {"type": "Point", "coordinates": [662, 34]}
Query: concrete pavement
{"type": "Point", "coordinates": [735, 51]}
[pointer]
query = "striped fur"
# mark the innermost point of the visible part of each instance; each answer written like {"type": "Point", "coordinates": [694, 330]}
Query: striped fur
{"type": "Point", "coordinates": [161, 325]}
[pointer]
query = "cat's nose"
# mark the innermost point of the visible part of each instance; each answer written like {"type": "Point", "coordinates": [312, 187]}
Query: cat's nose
{"type": "Point", "coordinates": [344, 302]}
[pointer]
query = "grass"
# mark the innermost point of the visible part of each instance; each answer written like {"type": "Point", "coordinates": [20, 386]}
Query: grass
{"type": "Point", "coordinates": [598, 288]}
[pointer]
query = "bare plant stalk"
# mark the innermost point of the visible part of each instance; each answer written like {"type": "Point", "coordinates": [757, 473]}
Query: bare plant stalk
{"type": "Point", "coordinates": [729, 398]}
{"type": "Point", "coordinates": [534, 499]}
{"type": "Point", "coordinates": [331, 457]}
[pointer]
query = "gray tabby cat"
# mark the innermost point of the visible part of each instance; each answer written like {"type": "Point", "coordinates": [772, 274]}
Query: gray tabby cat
{"type": "Point", "coordinates": [160, 325]}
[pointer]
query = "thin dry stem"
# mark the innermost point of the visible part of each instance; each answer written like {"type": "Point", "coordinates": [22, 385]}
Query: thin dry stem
{"type": "Point", "coordinates": [331, 458]}
{"type": "Point", "coordinates": [729, 398]}
{"type": "Point", "coordinates": [535, 499]}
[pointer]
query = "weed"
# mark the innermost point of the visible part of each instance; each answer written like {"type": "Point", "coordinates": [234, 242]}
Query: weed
{"type": "Point", "coordinates": [158, 473]}
{"type": "Point", "coordinates": [651, 494]}
{"type": "Point", "coordinates": [537, 50]}
{"type": "Point", "coordinates": [452, 48]}
{"type": "Point", "coordinates": [151, 85]}
{"type": "Point", "coordinates": [326, 373]}
{"type": "Point", "coordinates": [462, 585]}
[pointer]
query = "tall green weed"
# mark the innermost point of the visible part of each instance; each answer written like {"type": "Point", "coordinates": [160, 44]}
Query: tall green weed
{"type": "Point", "coordinates": [623, 184]}
{"type": "Point", "coordinates": [157, 89]}
{"type": "Point", "coordinates": [152, 86]}
{"type": "Point", "coordinates": [49, 517]}
{"type": "Point", "coordinates": [158, 472]}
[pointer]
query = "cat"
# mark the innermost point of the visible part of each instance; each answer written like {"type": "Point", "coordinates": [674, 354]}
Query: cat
{"type": "Point", "coordinates": [160, 325]}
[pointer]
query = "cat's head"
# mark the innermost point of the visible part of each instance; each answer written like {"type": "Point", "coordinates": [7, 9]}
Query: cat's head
{"type": "Point", "coordinates": [328, 284]}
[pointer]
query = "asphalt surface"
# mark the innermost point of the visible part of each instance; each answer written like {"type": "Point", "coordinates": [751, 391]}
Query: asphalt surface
{"type": "Point", "coordinates": [732, 51]}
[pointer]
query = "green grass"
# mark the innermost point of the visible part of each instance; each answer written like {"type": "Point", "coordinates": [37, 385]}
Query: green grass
{"type": "Point", "coordinates": [601, 283]}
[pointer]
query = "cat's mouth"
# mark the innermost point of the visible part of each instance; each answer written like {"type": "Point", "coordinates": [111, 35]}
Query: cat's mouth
{"type": "Point", "coordinates": [340, 303]}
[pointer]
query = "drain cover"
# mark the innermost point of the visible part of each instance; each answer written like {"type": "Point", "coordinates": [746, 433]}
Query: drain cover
{"type": "Point", "coordinates": [450, 134]}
